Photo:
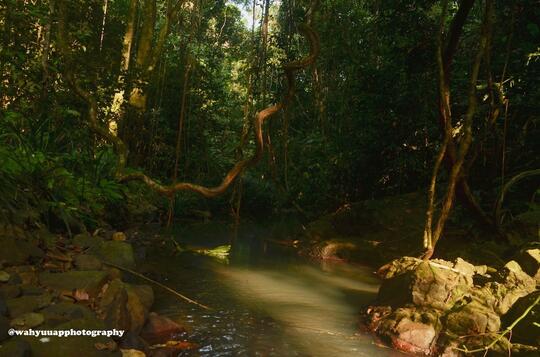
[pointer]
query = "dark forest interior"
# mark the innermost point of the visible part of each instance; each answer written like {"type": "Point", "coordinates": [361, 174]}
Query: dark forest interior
{"type": "Point", "coordinates": [212, 177]}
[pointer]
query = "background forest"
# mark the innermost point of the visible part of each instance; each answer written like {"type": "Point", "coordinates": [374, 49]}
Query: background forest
{"type": "Point", "coordinates": [180, 82]}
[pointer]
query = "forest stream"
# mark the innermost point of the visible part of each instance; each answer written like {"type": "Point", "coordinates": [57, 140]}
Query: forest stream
{"type": "Point", "coordinates": [265, 300]}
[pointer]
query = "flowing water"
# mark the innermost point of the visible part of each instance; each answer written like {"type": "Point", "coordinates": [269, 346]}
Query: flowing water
{"type": "Point", "coordinates": [266, 301]}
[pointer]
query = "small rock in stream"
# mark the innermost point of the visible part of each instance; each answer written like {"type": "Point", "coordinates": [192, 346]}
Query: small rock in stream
{"type": "Point", "coordinates": [29, 320]}
{"type": "Point", "coordinates": [4, 276]}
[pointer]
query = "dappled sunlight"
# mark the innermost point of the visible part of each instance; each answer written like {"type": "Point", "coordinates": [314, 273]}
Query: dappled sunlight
{"type": "Point", "coordinates": [316, 308]}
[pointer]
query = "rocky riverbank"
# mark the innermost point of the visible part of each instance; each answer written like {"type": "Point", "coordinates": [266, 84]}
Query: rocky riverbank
{"type": "Point", "coordinates": [477, 289]}
{"type": "Point", "coordinates": [441, 308]}
{"type": "Point", "coordinates": [51, 282]}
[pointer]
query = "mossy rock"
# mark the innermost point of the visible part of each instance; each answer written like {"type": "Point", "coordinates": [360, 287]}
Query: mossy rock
{"type": "Point", "coordinates": [119, 253]}
{"type": "Point", "coordinates": [89, 281]}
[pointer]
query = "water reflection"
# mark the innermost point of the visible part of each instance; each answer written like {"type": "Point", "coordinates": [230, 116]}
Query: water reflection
{"type": "Point", "coordinates": [267, 302]}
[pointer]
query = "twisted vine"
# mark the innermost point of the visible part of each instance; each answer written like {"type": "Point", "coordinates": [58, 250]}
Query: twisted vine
{"type": "Point", "coordinates": [121, 150]}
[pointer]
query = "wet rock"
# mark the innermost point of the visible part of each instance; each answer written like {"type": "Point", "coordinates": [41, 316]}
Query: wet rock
{"type": "Point", "coordinates": [87, 262]}
{"type": "Point", "coordinates": [333, 249]}
{"type": "Point", "coordinates": [9, 291]}
{"type": "Point", "coordinates": [4, 276]}
{"type": "Point", "coordinates": [525, 331]}
{"type": "Point", "coordinates": [62, 312]}
{"type": "Point", "coordinates": [425, 285]}
{"type": "Point", "coordinates": [119, 253]}
{"type": "Point", "coordinates": [113, 273]}
{"type": "Point", "coordinates": [511, 283]}
{"type": "Point", "coordinates": [85, 240]}
{"type": "Point", "coordinates": [414, 337]}
{"type": "Point", "coordinates": [25, 304]}
{"type": "Point", "coordinates": [472, 318]}
{"type": "Point", "coordinates": [32, 290]}
{"type": "Point", "coordinates": [529, 260]}
{"type": "Point", "coordinates": [145, 293]}
{"type": "Point", "coordinates": [397, 267]}
{"type": "Point", "coordinates": [89, 281]}
{"type": "Point", "coordinates": [28, 320]}
{"type": "Point", "coordinates": [113, 306]}
{"type": "Point", "coordinates": [137, 310]}
{"type": "Point", "coordinates": [4, 327]}
{"type": "Point", "coordinates": [15, 347]}
{"type": "Point", "coordinates": [26, 273]}
{"type": "Point", "coordinates": [160, 329]}
{"type": "Point", "coordinates": [13, 252]}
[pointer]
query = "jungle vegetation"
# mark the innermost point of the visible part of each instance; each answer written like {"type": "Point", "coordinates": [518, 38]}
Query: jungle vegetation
{"type": "Point", "coordinates": [250, 108]}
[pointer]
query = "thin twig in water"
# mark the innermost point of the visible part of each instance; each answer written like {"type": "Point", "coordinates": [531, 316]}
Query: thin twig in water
{"type": "Point", "coordinates": [174, 292]}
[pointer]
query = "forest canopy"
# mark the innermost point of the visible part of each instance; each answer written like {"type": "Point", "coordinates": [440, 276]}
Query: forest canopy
{"type": "Point", "coordinates": [172, 89]}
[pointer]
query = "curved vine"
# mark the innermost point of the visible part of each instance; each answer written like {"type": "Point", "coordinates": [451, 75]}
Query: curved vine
{"type": "Point", "coordinates": [498, 205]}
{"type": "Point", "coordinates": [289, 70]}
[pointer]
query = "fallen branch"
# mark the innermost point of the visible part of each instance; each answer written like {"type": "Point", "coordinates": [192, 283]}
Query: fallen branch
{"type": "Point", "coordinates": [172, 291]}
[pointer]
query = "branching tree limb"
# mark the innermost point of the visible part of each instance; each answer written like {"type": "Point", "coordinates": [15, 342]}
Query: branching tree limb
{"type": "Point", "coordinates": [463, 190]}
{"type": "Point", "coordinates": [456, 169]}
{"type": "Point", "coordinates": [289, 69]}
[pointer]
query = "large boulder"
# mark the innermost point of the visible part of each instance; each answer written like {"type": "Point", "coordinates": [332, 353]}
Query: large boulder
{"type": "Point", "coordinates": [140, 300]}
{"type": "Point", "coordinates": [113, 306]}
{"type": "Point", "coordinates": [160, 329]}
{"type": "Point", "coordinates": [124, 306]}
{"type": "Point", "coordinates": [425, 284]}
{"type": "Point", "coordinates": [430, 307]}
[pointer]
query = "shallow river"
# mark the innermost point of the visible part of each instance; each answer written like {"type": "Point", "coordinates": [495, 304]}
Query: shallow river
{"type": "Point", "coordinates": [265, 300]}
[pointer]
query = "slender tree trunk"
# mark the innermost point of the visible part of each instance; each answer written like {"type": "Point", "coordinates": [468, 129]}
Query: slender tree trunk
{"type": "Point", "coordinates": [432, 237]}
{"type": "Point", "coordinates": [187, 72]}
